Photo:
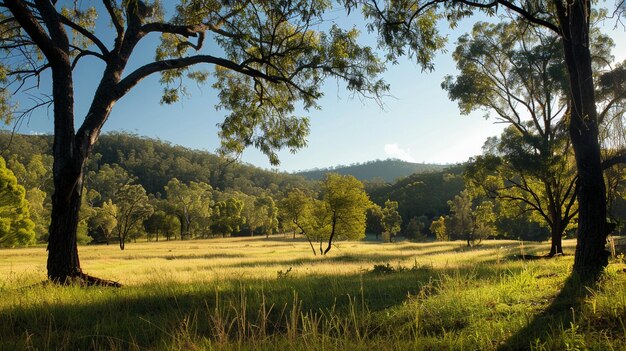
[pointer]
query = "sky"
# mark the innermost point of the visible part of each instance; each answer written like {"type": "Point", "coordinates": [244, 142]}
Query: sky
{"type": "Point", "coordinates": [418, 123]}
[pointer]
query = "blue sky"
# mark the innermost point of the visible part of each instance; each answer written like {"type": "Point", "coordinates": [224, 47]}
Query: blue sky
{"type": "Point", "coordinates": [418, 123]}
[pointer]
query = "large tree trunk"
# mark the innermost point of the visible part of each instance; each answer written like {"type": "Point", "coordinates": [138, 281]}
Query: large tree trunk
{"type": "Point", "coordinates": [556, 239]}
{"type": "Point", "coordinates": [63, 262]}
{"type": "Point", "coordinates": [590, 257]}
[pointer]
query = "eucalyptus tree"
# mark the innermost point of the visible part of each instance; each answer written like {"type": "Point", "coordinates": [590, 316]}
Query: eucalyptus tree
{"type": "Point", "coordinates": [471, 218]}
{"type": "Point", "coordinates": [270, 214]}
{"type": "Point", "coordinates": [345, 202]}
{"type": "Point", "coordinates": [409, 27]}
{"type": "Point", "coordinates": [517, 75]}
{"type": "Point", "coordinates": [191, 203]}
{"type": "Point", "coordinates": [390, 220]}
{"type": "Point", "coordinates": [129, 210]}
{"type": "Point", "coordinates": [161, 222]}
{"type": "Point", "coordinates": [227, 217]}
{"type": "Point", "coordinates": [268, 57]}
{"type": "Point", "coordinates": [16, 228]}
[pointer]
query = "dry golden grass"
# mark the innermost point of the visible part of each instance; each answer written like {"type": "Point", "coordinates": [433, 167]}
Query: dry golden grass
{"type": "Point", "coordinates": [257, 257]}
{"type": "Point", "coordinates": [234, 293]}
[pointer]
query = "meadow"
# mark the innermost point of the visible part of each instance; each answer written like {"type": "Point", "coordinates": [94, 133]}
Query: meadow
{"type": "Point", "coordinates": [268, 294]}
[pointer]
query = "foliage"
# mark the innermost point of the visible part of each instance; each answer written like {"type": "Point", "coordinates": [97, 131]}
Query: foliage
{"type": "Point", "coordinates": [103, 222]}
{"type": "Point", "coordinates": [391, 220]}
{"type": "Point", "coordinates": [227, 216]}
{"type": "Point", "coordinates": [130, 209]}
{"type": "Point", "coordinates": [16, 227]}
{"type": "Point", "coordinates": [423, 194]}
{"type": "Point", "coordinates": [373, 220]}
{"type": "Point", "coordinates": [295, 209]}
{"type": "Point", "coordinates": [471, 219]}
{"type": "Point", "coordinates": [439, 228]}
{"type": "Point", "coordinates": [346, 203]}
{"type": "Point", "coordinates": [415, 228]}
{"type": "Point", "coordinates": [161, 223]}
{"type": "Point", "coordinates": [192, 205]}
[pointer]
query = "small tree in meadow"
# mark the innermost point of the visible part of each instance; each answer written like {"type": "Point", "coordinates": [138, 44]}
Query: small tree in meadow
{"type": "Point", "coordinates": [439, 228]}
{"type": "Point", "coordinates": [415, 229]}
{"type": "Point", "coordinates": [391, 220]}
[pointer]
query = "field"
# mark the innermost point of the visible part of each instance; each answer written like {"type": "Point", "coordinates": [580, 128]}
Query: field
{"type": "Point", "coordinates": [258, 293]}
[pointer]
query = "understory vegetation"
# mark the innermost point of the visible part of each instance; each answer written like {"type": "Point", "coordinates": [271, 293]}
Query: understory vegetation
{"type": "Point", "coordinates": [258, 293]}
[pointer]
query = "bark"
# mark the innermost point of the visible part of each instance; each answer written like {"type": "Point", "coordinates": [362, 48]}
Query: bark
{"type": "Point", "coordinates": [122, 242]}
{"type": "Point", "coordinates": [591, 256]}
{"type": "Point", "coordinates": [63, 263]}
{"type": "Point", "coordinates": [556, 239]}
{"type": "Point", "coordinates": [332, 235]}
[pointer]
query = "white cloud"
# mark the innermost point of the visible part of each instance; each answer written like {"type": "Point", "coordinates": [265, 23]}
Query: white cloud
{"type": "Point", "coordinates": [395, 151]}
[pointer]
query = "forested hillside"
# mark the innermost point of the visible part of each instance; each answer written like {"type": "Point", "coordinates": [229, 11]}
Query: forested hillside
{"type": "Point", "coordinates": [424, 194]}
{"type": "Point", "coordinates": [140, 187]}
{"type": "Point", "coordinates": [154, 162]}
{"type": "Point", "coordinates": [388, 170]}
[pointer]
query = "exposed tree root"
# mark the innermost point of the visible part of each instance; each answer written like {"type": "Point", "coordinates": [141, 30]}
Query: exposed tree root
{"type": "Point", "coordinates": [85, 280]}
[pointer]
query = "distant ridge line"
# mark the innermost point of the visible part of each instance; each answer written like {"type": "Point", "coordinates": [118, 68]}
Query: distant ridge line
{"type": "Point", "coordinates": [387, 170]}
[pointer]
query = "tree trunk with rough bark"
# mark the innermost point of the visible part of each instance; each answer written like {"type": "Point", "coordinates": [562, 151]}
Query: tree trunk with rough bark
{"type": "Point", "coordinates": [591, 257]}
{"type": "Point", "coordinates": [556, 240]}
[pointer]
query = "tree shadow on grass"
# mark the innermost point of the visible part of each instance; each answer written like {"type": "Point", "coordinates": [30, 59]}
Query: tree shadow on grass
{"type": "Point", "coordinates": [158, 316]}
{"type": "Point", "coordinates": [558, 316]}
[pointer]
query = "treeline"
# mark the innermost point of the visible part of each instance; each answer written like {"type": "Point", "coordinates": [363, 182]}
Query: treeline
{"type": "Point", "coordinates": [138, 187]}
{"type": "Point", "coordinates": [144, 188]}
{"type": "Point", "coordinates": [377, 171]}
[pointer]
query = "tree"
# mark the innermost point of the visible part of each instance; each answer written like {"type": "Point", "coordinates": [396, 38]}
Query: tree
{"type": "Point", "coordinates": [346, 204]}
{"type": "Point", "coordinates": [297, 208]}
{"type": "Point", "coordinates": [191, 203]}
{"type": "Point", "coordinates": [103, 223]}
{"type": "Point", "coordinates": [35, 175]}
{"type": "Point", "coordinates": [518, 74]}
{"type": "Point", "coordinates": [270, 218]}
{"type": "Point", "coordinates": [106, 182]}
{"type": "Point", "coordinates": [161, 222]}
{"type": "Point", "coordinates": [253, 212]}
{"type": "Point", "coordinates": [16, 228]}
{"type": "Point", "coordinates": [271, 60]}
{"type": "Point", "coordinates": [391, 220]}
{"type": "Point", "coordinates": [415, 228]}
{"type": "Point", "coordinates": [373, 220]}
{"type": "Point", "coordinates": [294, 208]}
{"type": "Point", "coordinates": [472, 222]}
{"type": "Point", "coordinates": [227, 218]}
{"type": "Point", "coordinates": [439, 228]}
{"type": "Point", "coordinates": [409, 27]}
{"type": "Point", "coordinates": [129, 210]}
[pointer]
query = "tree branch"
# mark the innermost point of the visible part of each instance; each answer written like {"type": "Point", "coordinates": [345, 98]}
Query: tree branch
{"type": "Point", "coordinates": [132, 79]}
{"type": "Point", "coordinates": [82, 30]}
{"type": "Point", "coordinates": [29, 23]}
{"type": "Point", "coordinates": [617, 159]}
{"type": "Point", "coordinates": [520, 11]}
{"type": "Point", "coordinates": [108, 4]}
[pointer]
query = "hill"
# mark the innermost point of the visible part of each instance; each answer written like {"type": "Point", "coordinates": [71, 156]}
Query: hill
{"type": "Point", "coordinates": [388, 170]}
{"type": "Point", "coordinates": [154, 162]}
{"type": "Point", "coordinates": [422, 194]}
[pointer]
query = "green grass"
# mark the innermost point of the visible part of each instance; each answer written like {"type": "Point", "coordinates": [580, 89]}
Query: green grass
{"type": "Point", "coordinates": [255, 293]}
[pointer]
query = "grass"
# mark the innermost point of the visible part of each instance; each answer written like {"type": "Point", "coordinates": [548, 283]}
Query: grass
{"type": "Point", "coordinates": [257, 293]}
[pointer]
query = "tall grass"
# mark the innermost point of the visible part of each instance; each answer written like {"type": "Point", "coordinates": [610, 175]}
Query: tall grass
{"type": "Point", "coordinates": [261, 294]}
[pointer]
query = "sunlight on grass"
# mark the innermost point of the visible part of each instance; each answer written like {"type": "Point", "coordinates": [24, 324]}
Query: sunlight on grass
{"type": "Point", "coordinates": [257, 293]}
